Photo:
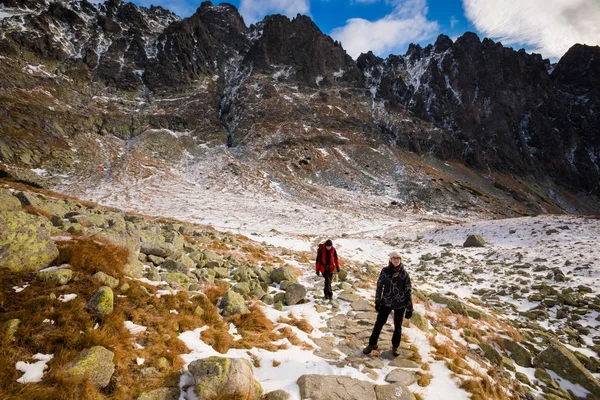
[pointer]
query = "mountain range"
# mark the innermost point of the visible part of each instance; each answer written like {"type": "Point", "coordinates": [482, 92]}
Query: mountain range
{"type": "Point", "coordinates": [464, 125]}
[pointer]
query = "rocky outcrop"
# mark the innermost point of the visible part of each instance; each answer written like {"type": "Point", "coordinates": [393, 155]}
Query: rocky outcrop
{"type": "Point", "coordinates": [219, 377]}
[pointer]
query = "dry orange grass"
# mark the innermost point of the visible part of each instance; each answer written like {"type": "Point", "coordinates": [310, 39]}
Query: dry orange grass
{"type": "Point", "coordinates": [37, 211]}
{"type": "Point", "coordinates": [256, 330]}
{"type": "Point", "coordinates": [73, 328]}
{"type": "Point", "coordinates": [301, 324]}
{"type": "Point", "coordinates": [276, 363]}
{"type": "Point", "coordinates": [483, 389]}
{"type": "Point", "coordinates": [214, 291]}
{"type": "Point", "coordinates": [255, 359]}
{"type": "Point", "coordinates": [424, 380]}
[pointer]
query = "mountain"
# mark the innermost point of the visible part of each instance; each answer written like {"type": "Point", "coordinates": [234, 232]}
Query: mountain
{"type": "Point", "coordinates": [465, 126]}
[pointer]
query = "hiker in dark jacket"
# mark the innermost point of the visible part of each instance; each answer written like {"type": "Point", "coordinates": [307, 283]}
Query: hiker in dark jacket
{"type": "Point", "coordinates": [326, 263]}
{"type": "Point", "coordinates": [394, 293]}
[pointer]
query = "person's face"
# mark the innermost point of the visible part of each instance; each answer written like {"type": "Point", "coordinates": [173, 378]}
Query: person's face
{"type": "Point", "coordinates": [396, 261]}
{"type": "Point", "coordinates": [328, 247]}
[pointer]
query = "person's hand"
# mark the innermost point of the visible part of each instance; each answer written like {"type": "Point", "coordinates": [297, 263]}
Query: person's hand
{"type": "Point", "coordinates": [318, 273]}
{"type": "Point", "coordinates": [337, 269]}
{"type": "Point", "coordinates": [377, 306]}
{"type": "Point", "coordinates": [409, 312]}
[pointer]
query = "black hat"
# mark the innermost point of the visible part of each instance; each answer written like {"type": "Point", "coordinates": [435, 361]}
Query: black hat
{"type": "Point", "coordinates": [328, 242]}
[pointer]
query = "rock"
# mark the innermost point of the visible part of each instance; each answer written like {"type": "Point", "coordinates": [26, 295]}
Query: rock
{"type": "Point", "coordinates": [267, 299]}
{"type": "Point", "coordinates": [25, 243]}
{"type": "Point", "coordinates": [277, 395]}
{"type": "Point", "coordinates": [175, 277]}
{"type": "Point", "coordinates": [212, 259]}
{"type": "Point", "coordinates": [491, 353]}
{"type": "Point", "coordinates": [242, 288]}
{"type": "Point", "coordinates": [8, 202]}
{"type": "Point", "coordinates": [172, 265]}
{"type": "Point", "coordinates": [156, 249]}
{"type": "Point", "coordinates": [474, 241]}
{"type": "Point", "coordinates": [361, 305]}
{"type": "Point", "coordinates": [106, 280]}
{"type": "Point", "coordinates": [420, 321]}
{"type": "Point", "coordinates": [233, 303]}
{"type": "Point", "coordinates": [405, 377]}
{"type": "Point", "coordinates": [563, 362]}
{"type": "Point", "coordinates": [294, 293]}
{"type": "Point", "coordinates": [518, 353]}
{"type": "Point", "coordinates": [349, 297]}
{"type": "Point", "coordinates": [523, 378]}
{"type": "Point", "coordinates": [102, 303]}
{"type": "Point", "coordinates": [283, 274]}
{"type": "Point", "coordinates": [171, 393]}
{"type": "Point", "coordinates": [55, 275]}
{"type": "Point", "coordinates": [394, 391]}
{"type": "Point", "coordinates": [221, 272]}
{"type": "Point", "coordinates": [95, 363]}
{"type": "Point", "coordinates": [343, 274]}
{"type": "Point", "coordinates": [224, 378]}
{"type": "Point", "coordinates": [402, 363]}
{"type": "Point", "coordinates": [334, 387]}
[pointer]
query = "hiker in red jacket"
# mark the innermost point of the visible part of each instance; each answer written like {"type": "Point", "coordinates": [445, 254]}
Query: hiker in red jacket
{"type": "Point", "coordinates": [327, 262]}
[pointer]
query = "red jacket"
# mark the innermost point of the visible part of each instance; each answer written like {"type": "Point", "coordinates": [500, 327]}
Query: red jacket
{"type": "Point", "coordinates": [321, 261]}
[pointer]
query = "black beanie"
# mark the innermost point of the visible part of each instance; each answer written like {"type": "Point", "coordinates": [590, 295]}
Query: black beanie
{"type": "Point", "coordinates": [328, 242]}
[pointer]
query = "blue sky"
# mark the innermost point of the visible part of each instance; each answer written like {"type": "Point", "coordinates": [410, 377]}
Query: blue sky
{"type": "Point", "coordinates": [386, 27]}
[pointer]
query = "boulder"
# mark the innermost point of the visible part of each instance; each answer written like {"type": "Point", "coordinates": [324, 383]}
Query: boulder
{"type": "Point", "coordinates": [174, 266]}
{"type": "Point", "coordinates": [401, 376]}
{"type": "Point", "coordinates": [279, 394]}
{"type": "Point", "coordinates": [563, 362]}
{"type": "Point", "coordinates": [343, 274]}
{"type": "Point", "coordinates": [212, 259]}
{"type": "Point", "coordinates": [25, 243]}
{"type": "Point", "coordinates": [491, 353]}
{"type": "Point", "coordinates": [474, 241]}
{"type": "Point", "coordinates": [171, 393]}
{"type": "Point", "coordinates": [518, 353]}
{"type": "Point", "coordinates": [95, 363]}
{"type": "Point", "coordinates": [105, 280]}
{"type": "Point", "coordinates": [102, 303]}
{"type": "Point", "coordinates": [396, 391]}
{"type": "Point", "coordinates": [55, 275]}
{"type": "Point", "coordinates": [420, 321]}
{"type": "Point", "coordinates": [294, 294]}
{"type": "Point", "coordinates": [224, 378]}
{"type": "Point", "coordinates": [334, 387]}
{"type": "Point", "coordinates": [11, 326]}
{"type": "Point", "coordinates": [233, 303]}
{"type": "Point", "coordinates": [156, 249]}
{"type": "Point", "coordinates": [8, 202]}
{"type": "Point", "coordinates": [283, 274]}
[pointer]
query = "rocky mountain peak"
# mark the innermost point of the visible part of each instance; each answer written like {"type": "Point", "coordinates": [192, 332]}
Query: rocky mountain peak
{"type": "Point", "coordinates": [312, 57]}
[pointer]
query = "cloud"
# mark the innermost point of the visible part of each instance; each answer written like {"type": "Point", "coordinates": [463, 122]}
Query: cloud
{"type": "Point", "coordinates": [255, 10]}
{"type": "Point", "coordinates": [549, 27]}
{"type": "Point", "coordinates": [453, 21]}
{"type": "Point", "coordinates": [407, 23]}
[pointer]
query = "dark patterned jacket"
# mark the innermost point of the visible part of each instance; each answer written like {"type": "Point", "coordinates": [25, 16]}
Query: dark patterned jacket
{"type": "Point", "coordinates": [394, 291]}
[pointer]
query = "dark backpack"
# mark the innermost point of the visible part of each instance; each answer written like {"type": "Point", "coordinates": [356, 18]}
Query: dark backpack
{"type": "Point", "coordinates": [320, 252]}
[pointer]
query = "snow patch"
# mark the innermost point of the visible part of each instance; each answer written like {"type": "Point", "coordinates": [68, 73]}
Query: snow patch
{"type": "Point", "coordinates": [33, 372]}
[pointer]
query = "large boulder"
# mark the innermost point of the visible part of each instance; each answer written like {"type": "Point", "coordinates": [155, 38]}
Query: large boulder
{"type": "Point", "coordinates": [102, 303]}
{"type": "Point", "coordinates": [335, 387]}
{"type": "Point", "coordinates": [294, 294]}
{"type": "Point", "coordinates": [474, 241]}
{"type": "Point", "coordinates": [233, 303]}
{"type": "Point", "coordinates": [224, 378]}
{"type": "Point", "coordinates": [95, 363]}
{"type": "Point", "coordinates": [156, 249]}
{"type": "Point", "coordinates": [283, 274]}
{"type": "Point", "coordinates": [396, 391]}
{"type": "Point", "coordinates": [559, 359]}
{"type": "Point", "coordinates": [25, 243]}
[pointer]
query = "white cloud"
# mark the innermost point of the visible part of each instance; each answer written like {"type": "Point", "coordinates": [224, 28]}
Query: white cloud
{"type": "Point", "coordinates": [453, 21]}
{"type": "Point", "coordinates": [407, 23]}
{"type": "Point", "coordinates": [548, 27]}
{"type": "Point", "coordinates": [255, 10]}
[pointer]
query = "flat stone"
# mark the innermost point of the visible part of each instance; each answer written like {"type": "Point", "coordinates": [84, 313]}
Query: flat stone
{"type": "Point", "coordinates": [405, 377]}
{"type": "Point", "coordinates": [361, 305]}
{"type": "Point", "coordinates": [403, 363]}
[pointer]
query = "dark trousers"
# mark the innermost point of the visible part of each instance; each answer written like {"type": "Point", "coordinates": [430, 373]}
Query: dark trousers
{"type": "Point", "coordinates": [327, 291]}
{"type": "Point", "coordinates": [382, 317]}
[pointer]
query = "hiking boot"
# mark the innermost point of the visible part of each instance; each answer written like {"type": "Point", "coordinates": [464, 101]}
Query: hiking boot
{"type": "Point", "coordinates": [370, 348]}
{"type": "Point", "coordinates": [395, 351]}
